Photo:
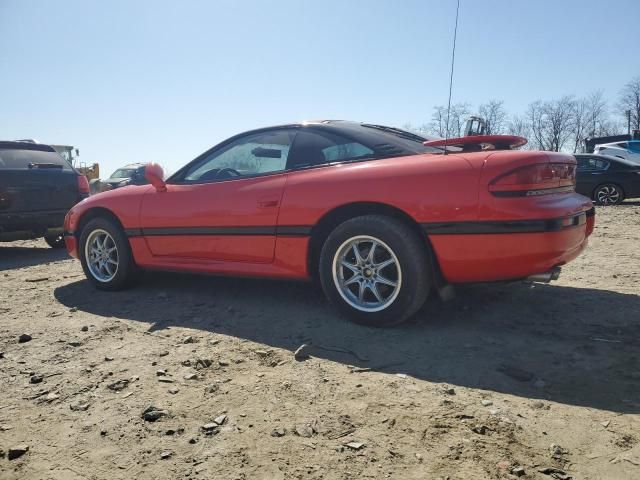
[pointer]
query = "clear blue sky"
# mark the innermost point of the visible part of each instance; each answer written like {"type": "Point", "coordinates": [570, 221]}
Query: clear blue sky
{"type": "Point", "coordinates": [164, 80]}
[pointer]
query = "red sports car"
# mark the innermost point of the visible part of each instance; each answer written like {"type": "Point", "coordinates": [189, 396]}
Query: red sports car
{"type": "Point", "coordinates": [376, 214]}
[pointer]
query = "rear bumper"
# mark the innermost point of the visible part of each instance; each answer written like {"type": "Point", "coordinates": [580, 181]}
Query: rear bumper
{"type": "Point", "coordinates": [27, 225]}
{"type": "Point", "coordinates": [40, 220]}
{"type": "Point", "coordinates": [510, 250]}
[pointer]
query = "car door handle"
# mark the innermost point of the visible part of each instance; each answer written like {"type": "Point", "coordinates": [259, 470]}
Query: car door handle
{"type": "Point", "coordinates": [268, 202]}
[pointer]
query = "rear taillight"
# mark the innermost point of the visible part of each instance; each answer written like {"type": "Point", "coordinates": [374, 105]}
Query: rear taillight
{"type": "Point", "coordinates": [538, 179]}
{"type": "Point", "coordinates": [83, 184]}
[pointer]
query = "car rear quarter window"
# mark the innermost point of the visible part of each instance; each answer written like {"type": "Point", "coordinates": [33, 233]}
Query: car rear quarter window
{"type": "Point", "coordinates": [312, 148]}
{"type": "Point", "coordinates": [592, 164]}
{"type": "Point", "coordinates": [15, 159]}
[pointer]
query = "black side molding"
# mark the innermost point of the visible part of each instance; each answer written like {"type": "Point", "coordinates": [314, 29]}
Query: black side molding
{"type": "Point", "coordinates": [283, 230]}
{"type": "Point", "coordinates": [510, 226]}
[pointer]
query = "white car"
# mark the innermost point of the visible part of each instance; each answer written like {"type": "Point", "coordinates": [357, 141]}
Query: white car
{"type": "Point", "coordinates": [629, 150]}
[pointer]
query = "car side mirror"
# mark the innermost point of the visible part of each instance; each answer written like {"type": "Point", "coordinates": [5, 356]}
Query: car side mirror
{"type": "Point", "coordinates": [155, 175]}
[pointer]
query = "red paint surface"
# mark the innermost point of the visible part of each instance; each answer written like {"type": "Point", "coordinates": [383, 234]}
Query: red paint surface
{"type": "Point", "coordinates": [427, 188]}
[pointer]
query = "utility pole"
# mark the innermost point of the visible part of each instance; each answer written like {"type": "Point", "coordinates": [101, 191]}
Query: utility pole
{"type": "Point", "coordinates": [628, 112]}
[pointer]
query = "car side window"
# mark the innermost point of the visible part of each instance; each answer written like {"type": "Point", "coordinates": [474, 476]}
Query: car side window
{"type": "Point", "coordinates": [592, 164]}
{"type": "Point", "coordinates": [583, 164]}
{"type": "Point", "coordinates": [250, 155]}
{"type": "Point", "coordinates": [313, 148]}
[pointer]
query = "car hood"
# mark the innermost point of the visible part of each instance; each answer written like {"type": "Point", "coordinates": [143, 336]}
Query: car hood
{"type": "Point", "coordinates": [127, 191]}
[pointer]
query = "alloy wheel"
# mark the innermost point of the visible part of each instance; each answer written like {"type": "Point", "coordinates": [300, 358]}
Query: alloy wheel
{"type": "Point", "coordinates": [608, 195]}
{"type": "Point", "coordinates": [367, 273]}
{"type": "Point", "coordinates": [101, 254]}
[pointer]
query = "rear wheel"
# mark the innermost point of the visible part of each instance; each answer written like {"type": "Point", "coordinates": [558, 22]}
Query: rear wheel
{"type": "Point", "coordinates": [608, 194]}
{"type": "Point", "coordinates": [105, 255]}
{"type": "Point", "coordinates": [375, 270]}
{"type": "Point", "coordinates": [55, 241]}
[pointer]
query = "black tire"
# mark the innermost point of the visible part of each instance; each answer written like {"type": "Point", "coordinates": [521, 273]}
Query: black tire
{"type": "Point", "coordinates": [413, 279]}
{"type": "Point", "coordinates": [126, 268]}
{"type": "Point", "coordinates": [608, 194]}
{"type": "Point", "coordinates": [55, 241]}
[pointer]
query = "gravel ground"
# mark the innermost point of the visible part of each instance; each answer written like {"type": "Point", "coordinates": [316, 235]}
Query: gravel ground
{"type": "Point", "coordinates": [195, 377]}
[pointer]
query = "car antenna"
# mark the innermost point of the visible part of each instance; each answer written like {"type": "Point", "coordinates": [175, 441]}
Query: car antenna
{"type": "Point", "coordinates": [453, 59]}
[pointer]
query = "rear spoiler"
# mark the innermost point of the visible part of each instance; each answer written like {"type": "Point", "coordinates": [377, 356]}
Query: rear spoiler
{"type": "Point", "coordinates": [479, 143]}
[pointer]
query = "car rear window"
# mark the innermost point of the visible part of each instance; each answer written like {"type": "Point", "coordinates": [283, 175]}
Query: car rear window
{"type": "Point", "coordinates": [15, 159]}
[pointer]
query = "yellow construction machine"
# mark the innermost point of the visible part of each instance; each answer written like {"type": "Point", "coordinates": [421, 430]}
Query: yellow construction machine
{"type": "Point", "coordinates": [92, 171]}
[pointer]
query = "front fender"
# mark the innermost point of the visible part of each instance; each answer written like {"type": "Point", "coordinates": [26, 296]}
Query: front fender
{"type": "Point", "coordinates": [123, 204]}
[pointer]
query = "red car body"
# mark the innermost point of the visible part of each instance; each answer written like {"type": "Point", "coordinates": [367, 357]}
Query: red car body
{"type": "Point", "coordinates": [268, 225]}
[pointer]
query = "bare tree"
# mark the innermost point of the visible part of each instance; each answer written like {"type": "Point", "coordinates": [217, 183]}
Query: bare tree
{"type": "Point", "coordinates": [612, 127]}
{"type": "Point", "coordinates": [495, 116]}
{"type": "Point", "coordinates": [519, 125]}
{"type": "Point", "coordinates": [535, 124]}
{"type": "Point", "coordinates": [438, 124]}
{"type": "Point", "coordinates": [457, 118]}
{"type": "Point", "coordinates": [629, 100]}
{"type": "Point", "coordinates": [581, 119]}
{"type": "Point", "coordinates": [551, 123]}
{"type": "Point", "coordinates": [597, 114]}
{"type": "Point", "coordinates": [560, 124]}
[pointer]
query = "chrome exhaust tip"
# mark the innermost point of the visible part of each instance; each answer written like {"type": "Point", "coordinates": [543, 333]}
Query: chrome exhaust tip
{"type": "Point", "coordinates": [545, 277]}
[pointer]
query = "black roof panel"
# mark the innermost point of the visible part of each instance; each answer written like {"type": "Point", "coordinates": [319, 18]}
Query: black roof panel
{"type": "Point", "coordinates": [6, 145]}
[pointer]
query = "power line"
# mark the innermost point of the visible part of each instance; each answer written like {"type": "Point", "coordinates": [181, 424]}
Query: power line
{"type": "Point", "coordinates": [453, 59]}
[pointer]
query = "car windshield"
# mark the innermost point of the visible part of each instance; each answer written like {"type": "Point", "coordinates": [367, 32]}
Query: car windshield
{"type": "Point", "coordinates": [123, 173]}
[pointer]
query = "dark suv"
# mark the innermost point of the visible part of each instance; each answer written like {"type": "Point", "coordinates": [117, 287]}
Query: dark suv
{"type": "Point", "coordinates": [37, 188]}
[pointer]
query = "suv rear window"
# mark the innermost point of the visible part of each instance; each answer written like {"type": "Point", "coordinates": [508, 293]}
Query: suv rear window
{"type": "Point", "coordinates": [27, 159]}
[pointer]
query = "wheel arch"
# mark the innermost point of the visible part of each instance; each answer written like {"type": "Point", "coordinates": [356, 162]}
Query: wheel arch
{"type": "Point", "coordinates": [331, 219]}
{"type": "Point", "coordinates": [96, 212]}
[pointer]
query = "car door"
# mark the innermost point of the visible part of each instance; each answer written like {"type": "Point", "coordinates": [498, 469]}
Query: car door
{"type": "Point", "coordinates": [224, 205]}
{"type": "Point", "coordinates": [591, 172]}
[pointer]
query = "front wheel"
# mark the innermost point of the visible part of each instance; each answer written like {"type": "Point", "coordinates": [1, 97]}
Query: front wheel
{"type": "Point", "coordinates": [376, 270]}
{"type": "Point", "coordinates": [105, 255]}
{"type": "Point", "coordinates": [608, 194]}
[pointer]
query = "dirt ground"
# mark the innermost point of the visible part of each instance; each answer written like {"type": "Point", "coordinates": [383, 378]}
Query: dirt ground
{"type": "Point", "coordinates": [506, 381]}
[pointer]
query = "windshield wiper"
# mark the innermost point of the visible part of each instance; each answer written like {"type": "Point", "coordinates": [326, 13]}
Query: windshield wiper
{"type": "Point", "coordinates": [45, 165]}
